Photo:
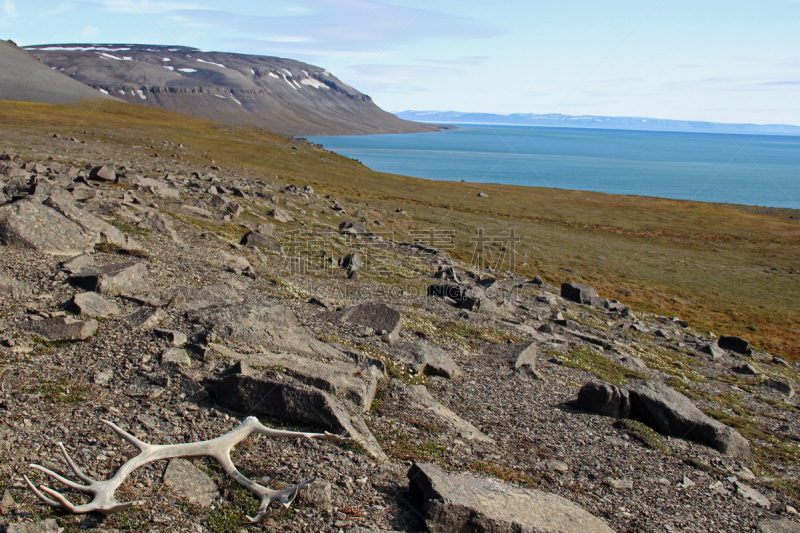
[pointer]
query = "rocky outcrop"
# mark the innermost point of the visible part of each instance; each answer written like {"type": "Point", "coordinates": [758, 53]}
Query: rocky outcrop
{"type": "Point", "coordinates": [665, 410]}
{"type": "Point", "coordinates": [462, 502]}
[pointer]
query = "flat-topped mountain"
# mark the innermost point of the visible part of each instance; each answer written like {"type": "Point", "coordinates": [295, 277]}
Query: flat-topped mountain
{"type": "Point", "coordinates": [24, 78]}
{"type": "Point", "coordinates": [284, 95]}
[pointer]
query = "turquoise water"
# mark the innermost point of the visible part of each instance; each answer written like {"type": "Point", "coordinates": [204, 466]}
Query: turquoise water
{"type": "Point", "coordinates": [761, 170]}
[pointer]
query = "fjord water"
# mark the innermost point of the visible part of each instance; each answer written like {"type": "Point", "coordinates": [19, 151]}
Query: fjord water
{"type": "Point", "coordinates": [762, 170]}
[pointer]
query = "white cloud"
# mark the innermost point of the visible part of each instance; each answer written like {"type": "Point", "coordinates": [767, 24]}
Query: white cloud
{"type": "Point", "coordinates": [146, 7]}
{"type": "Point", "coordinates": [10, 13]}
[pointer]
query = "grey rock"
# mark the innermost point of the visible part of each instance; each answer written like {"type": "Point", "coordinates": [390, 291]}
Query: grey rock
{"type": "Point", "coordinates": [236, 264]}
{"type": "Point", "coordinates": [378, 316]}
{"type": "Point", "coordinates": [254, 238]}
{"type": "Point", "coordinates": [463, 502]}
{"type": "Point", "coordinates": [78, 263]}
{"type": "Point", "coordinates": [345, 381]}
{"type": "Point", "coordinates": [177, 356]}
{"type": "Point", "coordinates": [175, 338]}
{"type": "Point", "coordinates": [92, 305]}
{"type": "Point", "coordinates": [671, 413]}
{"type": "Point", "coordinates": [752, 495]}
{"type": "Point", "coordinates": [103, 377]}
{"type": "Point", "coordinates": [7, 503]}
{"type": "Point", "coordinates": [281, 215]}
{"type": "Point", "coordinates": [161, 225]}
{"type": "Point", "coordinates": [448, 273]}
{"type": "Point", "coordinates": [62, 329]}
{"type": "Point", "coordinates": [427, 359]}
{"type": "Point", "coordinates": [119, 278]}
{"type": "Point", "coordinates": [632, 362]}
{"type": "Point", "coordinates": [31, 225]}
{"type": "Point", "coordinates": [734, 344]}
{"type": "Point", "coordinates": [248, 391]}
{"type": "Point", "coordinates": [578, 292]}
{"type": "Point", "coordinates": [714, 351]}
{"type": "Point", "coordinates": [604, 399]}
{"type": "Point", "coordinates": [190, 483]}
{"type": "Point", "coordinates": [268, 325]}
{"type": "Point", "coordinates": [780, 385]}
{"type": "Point", "coordinates": [11, 288]}
{"type": "Point", "coordinates": [351, 263]}
{"type": "Point", "coordinates": [46, 526]}
{"type": "Point", "coordinates": [516, 354]}
{"type": "Point", "coordinates": [194, 298]}
{"type": "Point", "coordinates": [419, 401]}
{"type": "Point", "coordinates": [352, 227]}
{"type": "Point", "coordinates": [746, 369]}
{"type": "Point", "coordinates": [778, 525]}
{"type": "Point", "coordinates": [318, 495]}
{"type": "Point", "coordinates": [146, 318]}
{"type": "Point", "coordinates": [99, 229]}
{"type": "Point", "coordinates": [104, 173]}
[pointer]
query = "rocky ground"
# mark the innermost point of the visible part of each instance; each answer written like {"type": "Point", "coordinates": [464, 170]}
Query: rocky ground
{"type": "Point", "coordinates": [175, 300]}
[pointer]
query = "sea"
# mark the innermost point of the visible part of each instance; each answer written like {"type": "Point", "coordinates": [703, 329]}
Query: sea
{"type": "Point", "coordinates": [757, 170]}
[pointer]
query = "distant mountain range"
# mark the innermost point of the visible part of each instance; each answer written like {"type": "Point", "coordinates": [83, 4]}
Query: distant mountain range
{"type": "Point", "coordinates": [283, 95]}
{"type": "Point", "coordinates": [598, 122]}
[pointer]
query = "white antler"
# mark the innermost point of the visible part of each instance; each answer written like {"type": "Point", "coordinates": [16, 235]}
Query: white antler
{"type": "Point", "coordinates": [220, 448]}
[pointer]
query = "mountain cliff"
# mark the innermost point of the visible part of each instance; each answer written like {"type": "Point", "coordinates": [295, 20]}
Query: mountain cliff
{"type": "Point", "coordinates": [284, 95]}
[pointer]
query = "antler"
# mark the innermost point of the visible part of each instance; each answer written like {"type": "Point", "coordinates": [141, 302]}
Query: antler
{"type": "Point", "coordinates": [103, 491]}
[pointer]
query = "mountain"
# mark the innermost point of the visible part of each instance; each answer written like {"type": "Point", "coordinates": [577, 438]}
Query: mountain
{"type": "Point", "coordinates": [599, 122]}
{"type": "Point", "coordinates": [23, 77]}
{"type": "Point", "coordinates": [284, 95]}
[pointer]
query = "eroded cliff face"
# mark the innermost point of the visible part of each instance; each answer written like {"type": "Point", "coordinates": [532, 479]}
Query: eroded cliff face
{"type": "Point", "coordinates": [280, 94]}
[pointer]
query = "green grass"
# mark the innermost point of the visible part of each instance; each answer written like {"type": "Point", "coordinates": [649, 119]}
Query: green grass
{"type": "Point", "coordinates": [646, 434]}
{"type": "Point", "coordinates": [592, 361]}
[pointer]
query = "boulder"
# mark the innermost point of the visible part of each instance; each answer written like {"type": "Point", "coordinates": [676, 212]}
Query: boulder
{"type": "Point", "coordinates": [11, 288]}
{"type": "Point", "coordinates": [46, 526]}
{"type": "Point", "coordinates": [254, 238]}
{"type": "Point", "coordinates": [352, 227]}
{"type": "Point", "coordinates": [348, 382]}
{"type": "Point", "coordinates": [62, 329]}
{"type": "Point", "coordinates": [267, 325]}
{"type": "Point", "coordinates": [281, 215]}
{"type": "Point", "coordinates": [418, 402]}
{"type": "Point", "coordinates": [90, 224]}
{"type": "Point", "coordinates": [604, 399]}
{"type": "Point", "coordinates": [515, 354]}
{"type": "Point", "coordinates": [29, 224]}
{"type": "Point", "coordinates": [104, 173]}
{"type": "Point", "coordinates": [671, 413]}
{"type": "Point", "coordinates": [578, 292]}
{"type": "Point", "coordinates": [714, 351]}
{"type": "Point", "coordinates": [190, 483]}
{"type": "Point", "coordinates": [425, 358]}
{"type": "Point", "coordinates": [119, 278]}
{"type": "Point", "coordinates": [92, 305]}
{"type": "Point", "coordinates": [734, 344]}
{"type": "Point", "coordinates": [351, 263]}
{"type": "Point", "coordinates": [778, 525]}
{"type": "Point", "coordinates": [377, 316]}
{"type": "Point", "coordinates": [146, 318]}
{"type": "Point", "coordinates": [462, 502]}
{"type": "Point", "coordinates": [248, 391]}
{"type": "Point", "coordinates": [161, 225]}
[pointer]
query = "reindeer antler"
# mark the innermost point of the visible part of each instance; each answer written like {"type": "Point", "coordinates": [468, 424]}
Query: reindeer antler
{"type": "Point", "coordinates": [220, 448]}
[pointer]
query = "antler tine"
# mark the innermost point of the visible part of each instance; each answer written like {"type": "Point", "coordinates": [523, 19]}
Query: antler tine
{"type": "Point", "coordinates": [140, 445]}
{"type": "Point", "coordinates": [68, 482]}
{"type": "Point", "coordinates": [341, 438]}
{"type": "Point", "coordinates": [63, 502]}
{"type": "Point", "coordinates": [75, 468]}
{"type": "Point", "coordinates": [38, 493]}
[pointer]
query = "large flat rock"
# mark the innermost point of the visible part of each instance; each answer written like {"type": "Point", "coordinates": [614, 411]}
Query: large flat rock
{"type": "Point", "coordinates": [462, 502]}
{"type": "Point", "coordinates": [251, 392]}
{"type": "Point", "coordinates": [31, 225]}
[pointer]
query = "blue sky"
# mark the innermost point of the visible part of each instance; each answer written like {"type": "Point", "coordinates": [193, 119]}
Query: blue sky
{"type": "Point", "coordinates": [718, 60]}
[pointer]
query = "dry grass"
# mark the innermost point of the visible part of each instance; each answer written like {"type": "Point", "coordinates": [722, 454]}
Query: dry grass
{"type": "Point", "coordinates": [723, 268]}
